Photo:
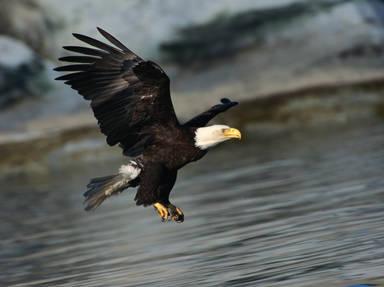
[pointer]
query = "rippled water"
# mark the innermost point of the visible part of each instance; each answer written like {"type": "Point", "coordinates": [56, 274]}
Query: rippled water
{"type": "Point", "coordinates": [300, 208]}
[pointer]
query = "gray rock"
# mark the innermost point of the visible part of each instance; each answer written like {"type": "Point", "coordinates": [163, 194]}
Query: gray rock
{"type": "Point", "coordinates": [32, 23]}
{"type": "Point", "coordinates": [323, 28]}
{"type": "Point", "coordinates": [20, 71]}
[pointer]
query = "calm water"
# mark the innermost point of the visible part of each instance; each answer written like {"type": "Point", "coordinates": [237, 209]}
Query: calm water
{"type": "Point", "coordinates": [303, 208]}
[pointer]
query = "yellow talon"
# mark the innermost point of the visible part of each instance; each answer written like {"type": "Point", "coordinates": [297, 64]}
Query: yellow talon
{"type": "Point", "coordinates": [162, 211]}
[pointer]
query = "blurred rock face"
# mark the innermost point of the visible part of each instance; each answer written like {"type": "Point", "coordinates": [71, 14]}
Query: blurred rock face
{"type": "Point", "coordinates": [30, 22]}
{"type": "Point", "coordinates": [193, 28]}
{"type": "Point", "coordinates": [315, 30]}
{"type": "Point", "coordinates": [20, 71]}
{"type": "Point", "coordinates": [143, 24]}
{"type": "Point", "coordinates": [289, 41]}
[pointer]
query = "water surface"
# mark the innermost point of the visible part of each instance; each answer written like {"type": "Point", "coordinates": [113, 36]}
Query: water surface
{"type": "Point", "coordinates": [303, 207]}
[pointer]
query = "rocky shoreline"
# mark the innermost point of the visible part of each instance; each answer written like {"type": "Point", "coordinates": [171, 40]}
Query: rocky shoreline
{"type": "Point", "coordinates": [77, 136]}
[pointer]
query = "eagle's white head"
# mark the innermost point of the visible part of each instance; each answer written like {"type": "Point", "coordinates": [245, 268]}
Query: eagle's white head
{"type": "Point", "coordinates": [207, 137]}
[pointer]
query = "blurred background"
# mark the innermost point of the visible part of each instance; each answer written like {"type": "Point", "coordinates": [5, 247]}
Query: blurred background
{"type": "Point", "coordinates": [298, 202]}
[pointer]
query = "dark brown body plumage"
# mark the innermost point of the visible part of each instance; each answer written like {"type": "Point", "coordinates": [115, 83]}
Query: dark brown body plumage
{"type": "Point", "coordinates": [172, 149]}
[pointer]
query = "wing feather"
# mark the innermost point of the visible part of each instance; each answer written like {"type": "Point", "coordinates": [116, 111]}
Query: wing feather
{"type": "Point", "coordinates": [113, 40]}
{"type": "Point", "coordinates": [78, 59]}
{"type": "Point", "coordinates": [85, 51]}
{"type": "Point", "coordinates": [129, 96]}
{"type": "Point", "coordinates": [96, 43]}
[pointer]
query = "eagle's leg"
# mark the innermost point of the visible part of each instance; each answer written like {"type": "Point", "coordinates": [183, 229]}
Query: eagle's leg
{"type": "Point", "coordinates": [177, 214]}
{"type": "Point", "coordinates": [162, 211]}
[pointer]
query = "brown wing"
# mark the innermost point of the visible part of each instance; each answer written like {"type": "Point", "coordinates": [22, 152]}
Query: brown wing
{"type": "Point", "coordinates": [129, 96]}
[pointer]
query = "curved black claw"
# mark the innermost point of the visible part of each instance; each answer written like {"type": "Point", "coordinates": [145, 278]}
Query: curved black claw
{"type": "Point", "coordinates": [177, 214]}
{"type": "Point", "coordinates": [179, 218]}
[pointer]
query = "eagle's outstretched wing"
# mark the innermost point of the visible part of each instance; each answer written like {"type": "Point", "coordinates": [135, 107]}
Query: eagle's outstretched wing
{"type": "Point", "coordinates": [128, 95]}
{"type": "Point", "coordinates": [203, 118]}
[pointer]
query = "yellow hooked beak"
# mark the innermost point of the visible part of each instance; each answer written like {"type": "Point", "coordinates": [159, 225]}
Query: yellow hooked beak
{"type": "Point", "coordinates": [232, 133]}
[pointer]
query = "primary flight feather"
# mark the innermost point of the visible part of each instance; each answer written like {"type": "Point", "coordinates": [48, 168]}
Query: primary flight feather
{"type": "Point", "coordinates": [130, 98]}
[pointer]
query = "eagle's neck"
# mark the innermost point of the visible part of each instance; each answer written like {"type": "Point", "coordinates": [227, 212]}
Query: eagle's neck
{"type": "Point", "coordinates": [207, 137]}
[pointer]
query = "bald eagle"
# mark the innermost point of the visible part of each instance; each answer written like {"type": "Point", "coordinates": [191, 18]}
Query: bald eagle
{"type": "Point", "coordinates": [130, 98]}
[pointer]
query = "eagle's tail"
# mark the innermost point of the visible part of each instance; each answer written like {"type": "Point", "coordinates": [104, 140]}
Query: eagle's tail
{"type": "Point", "coordinates": [100, 188]}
